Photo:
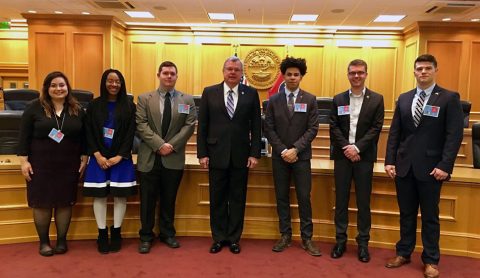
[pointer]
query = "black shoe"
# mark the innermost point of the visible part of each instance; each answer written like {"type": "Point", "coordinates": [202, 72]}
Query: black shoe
{"type": "Point", "coordinates": [338, 250]}
{"type": "Point", "coordinates": [216, 247]}
{"type": "Point", "coordinates": [235, 248]}
{"type": "Point", "coordinates": [116, 239]}
{"type": "Point", "coordinates": [144, 247]}
{"type": "Point", "coordinates": [61, 246]}
{"type": "Point", "coordinates": [282, 243]}
{"type": "Point", "coordinates": [310, 247]}
{"type": "Point", "coordinates": [45, 250]}
{"type": "Point", "coordinates": [102, 241]}
{"type": "Point", "coordinates": [363, 254]}
{"type": "Point", "coordinates": [170, 242]}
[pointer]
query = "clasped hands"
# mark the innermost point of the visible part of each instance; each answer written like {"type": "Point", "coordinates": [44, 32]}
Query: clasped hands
{"type": "Point", "coordinates": [106, 163]}
{"type": "Point", "coordinates": [351, 153]}
{"type": "Point", "coordinates": [165, 149]}
{"type": "Point", "coordinates": [290, 155]}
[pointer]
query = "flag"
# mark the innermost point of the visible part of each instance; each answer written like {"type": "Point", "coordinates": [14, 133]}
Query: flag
{"type": "Point", "coordinates": [277, 86]}
{"type": "Point", "coordinates": [243, 80]}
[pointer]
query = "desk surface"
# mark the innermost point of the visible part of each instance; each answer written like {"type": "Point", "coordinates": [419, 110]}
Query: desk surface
{"type": "Point", "coordinates": [460, 174]}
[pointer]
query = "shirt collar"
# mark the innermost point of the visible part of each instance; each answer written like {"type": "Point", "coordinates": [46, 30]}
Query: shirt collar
{"type": "Point", "coordinates": [353, 95]}
{"type": "Point", "coordinates": [163, 93]}
{"type": "Point", "coordinates": [295, 93]}
{"type": "Point", "coordinates": [226, 89]}
{"type": "Point", "coordinates": [428, 91]}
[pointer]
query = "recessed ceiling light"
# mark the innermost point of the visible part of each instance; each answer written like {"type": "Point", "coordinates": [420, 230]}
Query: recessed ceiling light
{"type": "Point", "coordinates": [475, 19]}
{"type": "Point", "coordinates": [446, 19]}
{"type": "Point", "coordinates": [85, 13]}
{"type": "Point", "coordinates": [304, 17]}
{"type": "Point", "coordinates": [32, 12]}
{"type": "Point", "coordinates": [389, 18]}
{"type": "Point", "coordinates": [221, 16]}
{"type": "Point", "coordinates": [139, 14]}
{"type": "Point", "coordinates": [58, 12]}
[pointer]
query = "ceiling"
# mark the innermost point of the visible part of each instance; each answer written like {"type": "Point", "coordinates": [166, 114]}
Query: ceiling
{"type": "Point", "coordinates": [265, 12]}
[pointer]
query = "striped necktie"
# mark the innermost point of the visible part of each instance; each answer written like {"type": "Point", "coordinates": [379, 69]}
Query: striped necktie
{"type": "Point", "coordinates": [230, 105]}
{"type": "Point", "coordinates": [291, 103]}
{"type": "Point", "coordinates": [419, 108]}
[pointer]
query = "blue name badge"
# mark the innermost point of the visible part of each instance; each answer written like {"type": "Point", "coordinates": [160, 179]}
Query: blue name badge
{"type": "Point", "coordinates": [431, 111]}
{"type": "Point", "coordinates": [56, 135]}
{"type": "Point", "coordinates": [300, 107]}
{"type": "Point", "coordinates": [343, 110]}
{"type": "Point", "coordinates": [184, 109]}
{"type": "Point", "coordinates": [108, 132]}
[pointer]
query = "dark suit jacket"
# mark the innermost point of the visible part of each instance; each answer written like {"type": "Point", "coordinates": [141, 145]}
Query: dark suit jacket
{"type": "Point", "coordinates": [369, 125]}
{"type": "Point", "coordinates": [226, 140]}
{"type": "Point", "coordinates": [434, 143]}
{"type": "Point", "coordinates": [284, 132]}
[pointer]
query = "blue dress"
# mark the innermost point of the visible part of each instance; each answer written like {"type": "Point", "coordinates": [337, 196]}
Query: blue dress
{"type": "Point", "coordinates": [118, 180]}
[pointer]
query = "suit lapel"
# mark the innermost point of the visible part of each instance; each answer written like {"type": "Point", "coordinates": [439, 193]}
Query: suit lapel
{"type": "Point", "coordinates": [154, 105]}
{"type": "Point", "coordinates": [283, 102]}
{"type": "Point", "coordinates": [410, 98]}
{"type": "Point", "coordinates": [431, 100]}
{"type": "Point", "coordinates": [221, 99]}
{"type": "Point", "coordinates": [241, 99]}
{"type": "Point", "coordinates": [365, 103]}
{"type": "Point", "coordinates": [178, 98]}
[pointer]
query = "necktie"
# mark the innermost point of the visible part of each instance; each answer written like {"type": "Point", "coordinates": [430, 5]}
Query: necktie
{"type": "Point", "coordinates": [230, 106]}
{"type": "Point", "coordinates": [419, 108]}
{"type": "Point", "coordinates": [291, 103]}
{"type": "Point", "coordinates": [167, 114]}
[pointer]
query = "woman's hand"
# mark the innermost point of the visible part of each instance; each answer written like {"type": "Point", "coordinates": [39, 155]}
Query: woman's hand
{"type": "Point", "coordinates": [26, 169]}
{"type": "Point", "coordinates": [102, 161]}
{"type": "Point", "coordinates": [114, 160]}
{"type": "Point", "coordinates": [83, 164]}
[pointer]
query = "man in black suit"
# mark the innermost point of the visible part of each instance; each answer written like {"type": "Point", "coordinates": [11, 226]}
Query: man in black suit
{"type": "Point", "coordinates": [425, 135]}
{"type": "Point", "coordinates": [356, 120]}
{"type": "Point", "coordinates": [228, 144]}
{"type": "Point", "coordinates": [291, 124]}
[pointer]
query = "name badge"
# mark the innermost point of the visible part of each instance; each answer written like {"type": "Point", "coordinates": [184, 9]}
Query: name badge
{"type": "Point", "coordinates": [183, 108]}
{"type": "Point", "coordinates": [343, 110]}
{"type": "Point", "coordinates": [56, 135]}
{"type": "Point", "coordinates": [431, 111]}
{"type": "Point", "coordinates": [300, 107]}
{"type": "Point", "coordinates": [108, 132]}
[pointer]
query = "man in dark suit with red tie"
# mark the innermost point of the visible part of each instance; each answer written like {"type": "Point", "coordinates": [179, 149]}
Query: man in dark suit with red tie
{"type": "Point", "coordinates": [291, 124]}
{"type": "Point", "coordinates": [425, 136]}
{"type": "Point", "coordinates": [356, 121]}
{"type": "Point", "coordinates": [228, 144]}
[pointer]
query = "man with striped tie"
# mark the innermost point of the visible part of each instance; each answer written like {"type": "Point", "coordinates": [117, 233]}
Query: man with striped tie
{"type": "Point", "coordinates": [228, 144]}
{"type": "Point", "coordinates": [424, 139]}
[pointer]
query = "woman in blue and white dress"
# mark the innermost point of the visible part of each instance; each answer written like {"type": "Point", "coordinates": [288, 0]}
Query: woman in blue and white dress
{"type": "Point", "coordinates": [110, 128]}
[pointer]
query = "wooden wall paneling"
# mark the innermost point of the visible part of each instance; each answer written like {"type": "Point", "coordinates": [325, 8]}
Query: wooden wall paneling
{"type": "Point", "coordinates": [50, 55]}
{"type": "Point", "coordinates": [212, 58]}
{"type": "Point", "coordinates": [88, 57]}
{"type": "Point", "coordinates": [178, 53]}
{"type": "Point", "coordinates": [411, 53]}
{"type": "Point", "coordinates": [382, 73]}
{"type": "Point", "coordinates": [449, 57]}
{"type": "Point", "coordinates": [343, 56]}
{"type": "Point", "coordinates": [118, 53]}
{"type": "Point", "coordinates": [143, 67]}
{"type": "Point", "coordinates": [313, 81]}
{"type": "Point", "coordinates": [13, 51]}
{"type": "Point", "coordinates": [474, 78]}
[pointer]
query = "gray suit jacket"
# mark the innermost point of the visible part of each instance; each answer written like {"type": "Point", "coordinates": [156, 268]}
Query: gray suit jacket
{"type": "Point", "coordinates": [149, 129]}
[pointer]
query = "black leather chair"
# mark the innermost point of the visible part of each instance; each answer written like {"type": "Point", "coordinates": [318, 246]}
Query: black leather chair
{"type": "Point", "coordinates": [476, 144]}
{"type": "Point", "coordinates": [325, 105]}
{"type": "Point", "coordinates": [84, 97]}
{"type": "Point", "coordinates": [197, 100]}
{"type": "Point", "coordinates": [466, 107]}
{"type": "Point", "coordinates": [264, 106]}
{"type": "Point", "coordinates": [9, 130]}
{"type": "Point", "coordinates": [18, 99]}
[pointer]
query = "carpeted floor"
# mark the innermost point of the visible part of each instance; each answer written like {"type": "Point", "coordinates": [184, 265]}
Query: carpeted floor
{"type": "Point", "coordinates": [193, 260]}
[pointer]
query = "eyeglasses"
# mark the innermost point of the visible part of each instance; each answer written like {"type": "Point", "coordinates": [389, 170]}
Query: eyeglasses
{"type": "Point", "coordinates": [354, 73]}
{"type": "Point", "coordinates": [118, 82]}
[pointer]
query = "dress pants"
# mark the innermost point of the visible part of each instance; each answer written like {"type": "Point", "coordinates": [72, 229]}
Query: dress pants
{"type": "Point", "coordinates": [411, 193]}
{"type": "Point", "coordinates": [228, 194]}
{"type": "Point", "coordinates": [361, 173]}
{"type": "Point", "coordinates": [302, 178]}
{"type": "Point", "coordinates": [159, 182]}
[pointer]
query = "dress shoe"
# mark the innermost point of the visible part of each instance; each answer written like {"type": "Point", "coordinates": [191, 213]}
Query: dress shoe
{"type": "Point", "coordinates": [46, 251]}
{"type": "Point", "coordinates": [216, 247]}
{"type": "Point", "coordinates": [60, 249]}
{"type": "Point", "coordinates": [144, 247]}
{"type": "Point", "coordinates": [431, 271]}
{"type": "Point", "coordinates": [235, 248]}
{"type": "Point", "coordinates": [338, 250]}
{"type": "Point", "coordinates": [282, 243]}
{"type": "Point", "coordinates": [363, 254]}
{"type": "Point", "coordinates": [397, 261]}
{"type": "Point", "coordinates": [309, 246]}
{"type": "Point", "coordinates": [170, 242]}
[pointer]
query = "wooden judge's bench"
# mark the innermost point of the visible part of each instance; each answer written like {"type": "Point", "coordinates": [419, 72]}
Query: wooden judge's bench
{"type": "Point", "coordinates": [459, 204]}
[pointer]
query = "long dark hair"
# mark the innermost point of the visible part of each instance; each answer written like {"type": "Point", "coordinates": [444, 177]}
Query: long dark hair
{"type": "Point", "coordinates": [123, 108]}
{"type": "Point", "coordinates": [46, 101]}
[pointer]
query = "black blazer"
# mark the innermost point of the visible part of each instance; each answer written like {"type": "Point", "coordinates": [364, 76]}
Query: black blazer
{"type": "Point", "coordinates": [284, 131]}
{"type": "Point", "coordinates": [223, 139]}
{"type": "Point", "coordinates": [369, 125]}
{"type": "Point", "coordinates": [122, 137]}
{"type": "Point", "coordinates": [434, 143]}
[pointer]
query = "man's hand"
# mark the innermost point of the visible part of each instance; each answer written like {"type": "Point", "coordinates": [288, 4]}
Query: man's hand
{"type": "Point", "coordinates": [290, 155]}
{"type": "Point", "coordinates": [390, 170]}
{"type": "Point", "coordinates": [165, 149]}
{"type": "Point", "coordinates": [350, 152]}
{"type": "Point", "coordinates": [252, 162]}
{"type": "Point", "coordinates": [438, 174]}
{"type": "Point", "coordinates": [204, 162]}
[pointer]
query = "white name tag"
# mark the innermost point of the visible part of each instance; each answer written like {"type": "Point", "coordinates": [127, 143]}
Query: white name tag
{"type": "Point", "coordinates": [300, 107]}
{"type": "Point", "coordinates": [431, 111]}
{"type": "Point", "coordinates": [56, 135]}
{"type": "Point", "coordinates": [184, 109]}
{"type": "Point", "coordinates": [108, 132]}
{"type": "Point", "coordinates": [343, 110]}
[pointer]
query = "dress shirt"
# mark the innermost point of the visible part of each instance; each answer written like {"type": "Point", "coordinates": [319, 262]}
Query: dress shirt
{"type": "Point", "coordinates": [162, 99]}
{"type": "Point", "coordinates": [428, 92]}
{"type": "Point", "coordinates": [356, 102]}
{"type": "Point", "coordinates": [234, 94]}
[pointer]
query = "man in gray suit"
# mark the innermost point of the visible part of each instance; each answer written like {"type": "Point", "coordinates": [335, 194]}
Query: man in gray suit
{"type": "Point", "coordinates": [165, 121]}
{"type": "Point", "coordinates": [291, 124]}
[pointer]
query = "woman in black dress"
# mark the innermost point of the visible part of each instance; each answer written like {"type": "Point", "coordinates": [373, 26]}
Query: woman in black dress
{"type": "Point", "coordinates": [50, 151]}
